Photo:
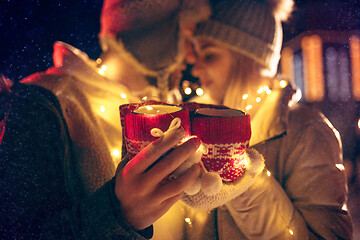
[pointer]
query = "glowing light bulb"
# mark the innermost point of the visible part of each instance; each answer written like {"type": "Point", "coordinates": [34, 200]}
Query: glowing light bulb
{"type": "Point", "coordinates": [188, 220]}
{"type": "Point", "coordinates": [101, 72]}
{"type": "Point", "coordinates": [116, 153]}
{"type": "Point", "coordinates": [248, 107]}
{"type": "Point", "coordinates": [266, 88]}
{"type": "Point", "coordinates": [102, 108]}
{"type": "Point", "coordinates": [245, 96]}
{"type": "Point", "coordinates": [187, 91]}
{"type": "Point", "coordinates": [201, 148]}
{"type": "Point", "coordinates": [104, 67]}
{"type": "Point", "coordinates": [291, 232]}
{"type": "Point", "coordinates": [358, 124]}
{"type": "Point", "coordinates": [268, 92]}
{"type": "Point", "coordinates": [340, 166]}
{"type": "Point", "coordinates": [149, 108]}
{"type": "Point", "coordinates": [258, 99]}
{"type": "Point", "coordinates": [199, 91]}
{"type": "Point", "coordinates": [98, 61]}
{"type": "Point", "coordinates": [144, 98]}
{"type": "Point", "coordinates": [260, 90]}
{"type": "Point", "coordinates": [123, 95]}
{"type": "Point", "coordinates": [283, 83]}
{"type": "Point", "coordinates": [344, 207]}
{"type": "Point", "coordinates": [246, 162]}
{"type": "Point", "coordinates": [268, 173]}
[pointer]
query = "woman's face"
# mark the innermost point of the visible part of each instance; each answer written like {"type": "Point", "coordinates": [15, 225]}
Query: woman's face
{"type": "Point", "coordinates": [212, 65]}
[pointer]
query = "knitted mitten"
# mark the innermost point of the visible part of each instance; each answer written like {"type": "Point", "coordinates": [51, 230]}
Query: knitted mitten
{"type": "Point", "coordinates": [147, 123]}
{"type": "Point", "coordinates": [229, 190]}
{"type": "Point", "coordinates": [225, 134]}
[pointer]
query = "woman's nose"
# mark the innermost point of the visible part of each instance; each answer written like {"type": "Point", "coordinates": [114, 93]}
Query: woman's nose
{"type": "Point", "coordinates": [192, 59]}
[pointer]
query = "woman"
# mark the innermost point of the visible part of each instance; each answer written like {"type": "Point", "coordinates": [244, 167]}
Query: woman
{"type": "Point", "coordinates": [302, 194]}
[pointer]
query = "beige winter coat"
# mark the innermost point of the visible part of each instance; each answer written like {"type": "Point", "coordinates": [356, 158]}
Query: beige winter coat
{"type": "Point", "coordinates": [303, 198]}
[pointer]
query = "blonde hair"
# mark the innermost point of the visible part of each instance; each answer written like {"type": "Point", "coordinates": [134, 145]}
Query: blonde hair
{"type": "Point", "coordinates": [245, 73]}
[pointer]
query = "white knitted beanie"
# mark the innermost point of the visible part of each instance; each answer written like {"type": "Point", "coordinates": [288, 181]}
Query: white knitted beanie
{"type": "Point", "coordinates": [250, 27]}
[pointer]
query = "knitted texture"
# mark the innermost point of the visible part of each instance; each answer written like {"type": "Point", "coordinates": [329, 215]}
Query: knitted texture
{"type": "Point", "coordinates": [126, 109]}
{"type": "Point", "coordinates": [230, 190]}
{"type": "Point", "coordinates": [252, 28]}
{"type": "Point", "coordinates": [225, 135]}
{"type": "Point", "coordinates": [138, 126]}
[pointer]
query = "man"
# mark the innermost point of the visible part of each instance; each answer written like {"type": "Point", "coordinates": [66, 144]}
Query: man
{"type": "Point", "coordinates": [60, 153]}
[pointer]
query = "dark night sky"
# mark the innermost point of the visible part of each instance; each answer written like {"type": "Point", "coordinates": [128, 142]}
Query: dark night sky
{"type": "Point", "coordinates": [28, 29]}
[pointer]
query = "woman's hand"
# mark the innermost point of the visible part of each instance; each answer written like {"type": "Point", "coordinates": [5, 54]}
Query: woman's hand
{"type": "Point", "coordinates": [143, 196]}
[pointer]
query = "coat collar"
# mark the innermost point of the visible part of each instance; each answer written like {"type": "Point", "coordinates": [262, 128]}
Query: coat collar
{"type": "Point", "coordinates": [70, 61]}
{"type": "Point", "coordinates": [271, 119]}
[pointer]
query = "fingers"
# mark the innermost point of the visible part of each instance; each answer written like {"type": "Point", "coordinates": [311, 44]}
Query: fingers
{"type": "Point", "coordinates": [178, 185]}
{"type": "Point", "coordinates": [168, 203]}
{"type": "Point", "coordinates": [148, 200]}
{"type": "Point", "coordinates": [145, 219]}
{"type": "Point", "coordinates": [173, 160]}
{"type": "Point", "coordinates": [146, 157]}
{"type": "Point", "coordinates": [122, 164]}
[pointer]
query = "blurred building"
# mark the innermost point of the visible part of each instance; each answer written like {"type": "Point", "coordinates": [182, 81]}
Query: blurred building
{"type": "Point", "coordinates": [321, 54]}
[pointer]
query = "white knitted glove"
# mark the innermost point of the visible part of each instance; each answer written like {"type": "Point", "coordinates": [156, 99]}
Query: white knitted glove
{"type": "Point", "coordinates": [229, 190]}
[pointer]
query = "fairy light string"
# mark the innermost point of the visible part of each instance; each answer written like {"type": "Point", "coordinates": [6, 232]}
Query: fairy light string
{"type": "Point", "coordinates": [277, 204]}
{"type": "Point", "coordinates": [104, 111]}
{"type": "Point", "coordinates": [262, 92]}
{"type": "Point", "coordinates": [176, 123]}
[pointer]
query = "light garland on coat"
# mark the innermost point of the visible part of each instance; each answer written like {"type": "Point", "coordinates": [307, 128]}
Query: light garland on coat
{"type": "Point", "coordinates": [262, 90]}
{"type": "Point", "coordinates": [258, 98]}
{"type": "Point", "coordinates": [260, 94]}
{"type": "Point", "coordinates": [114, 152]}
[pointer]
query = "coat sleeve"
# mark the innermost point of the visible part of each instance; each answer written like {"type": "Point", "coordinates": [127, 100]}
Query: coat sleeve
{"type": "Point", "coordinates": [97, 217]}
{"type": "Point", "coordinates": [309, 203]}
{"type": "Point", "coordinates": [37, 196]}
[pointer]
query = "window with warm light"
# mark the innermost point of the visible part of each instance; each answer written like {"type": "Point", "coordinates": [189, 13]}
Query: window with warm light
{"type": "Point", "coordinates": [355, 65]}
{"type": "Point", "coordinates": [313, 68]}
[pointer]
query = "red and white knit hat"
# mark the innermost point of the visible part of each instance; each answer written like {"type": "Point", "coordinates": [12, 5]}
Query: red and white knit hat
{"type": "Point", "coordinates": [147, 32]}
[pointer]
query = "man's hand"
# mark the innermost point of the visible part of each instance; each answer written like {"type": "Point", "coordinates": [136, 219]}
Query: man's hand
{"type": "Point", "coordinates": [143, 196]}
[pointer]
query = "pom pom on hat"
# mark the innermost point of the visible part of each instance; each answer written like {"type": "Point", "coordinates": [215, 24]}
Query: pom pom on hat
{"type": "Point", "coordinates": [281, 8]}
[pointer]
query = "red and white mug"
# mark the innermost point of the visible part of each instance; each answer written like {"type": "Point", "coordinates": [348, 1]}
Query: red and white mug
{"type": "Point", "coordinates": [225, 135]}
